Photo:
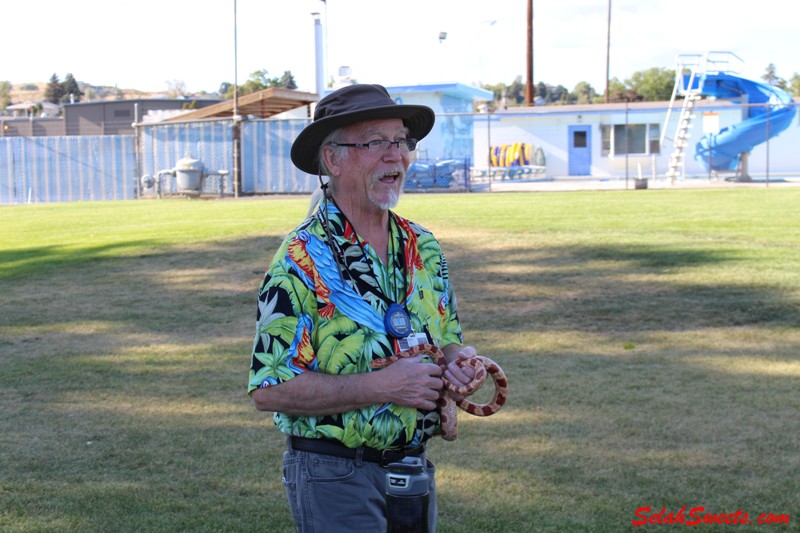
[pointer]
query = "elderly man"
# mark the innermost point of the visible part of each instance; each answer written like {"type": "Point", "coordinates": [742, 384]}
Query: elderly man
{"type": "Point", "coordinates": [354, 283]}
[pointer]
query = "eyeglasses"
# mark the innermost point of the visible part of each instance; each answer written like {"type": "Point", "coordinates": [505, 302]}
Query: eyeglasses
{"type": "Point", "coordinates": [382, 145]}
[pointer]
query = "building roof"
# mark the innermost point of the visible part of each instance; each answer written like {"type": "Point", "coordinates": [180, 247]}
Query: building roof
{"type": "Point", "coordinates": [47, 106]}
{"type": "Point", "coordinates": [458, 90]}
{"type": "Point", "coordinates": [264, 104]}
{"type": "Point", "coordinates": [603, 108]}
{"type": "Point", "coordinates": [129, 101]}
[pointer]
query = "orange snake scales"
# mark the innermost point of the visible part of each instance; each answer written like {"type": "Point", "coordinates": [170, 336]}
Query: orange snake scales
{"type": "Point", "coordinates": [447, 405]}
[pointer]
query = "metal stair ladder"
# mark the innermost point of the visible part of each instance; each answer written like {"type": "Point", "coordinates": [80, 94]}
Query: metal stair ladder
{"type": "Point", "coordinates": [681, 140]}
{"type": "Point", "coordinates": [691, 94]}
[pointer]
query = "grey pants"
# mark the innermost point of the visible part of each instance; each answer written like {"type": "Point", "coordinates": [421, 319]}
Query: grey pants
{"type": "Point", "coordinates": [330, 494]}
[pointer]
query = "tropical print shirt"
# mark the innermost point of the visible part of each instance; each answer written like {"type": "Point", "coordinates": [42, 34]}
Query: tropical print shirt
{"type": "Point", "coordinates": [314, 317]}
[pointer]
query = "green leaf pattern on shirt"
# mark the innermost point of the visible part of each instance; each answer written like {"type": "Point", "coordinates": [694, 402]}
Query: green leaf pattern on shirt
{"type": "Point", "coordinates": [299, 329]}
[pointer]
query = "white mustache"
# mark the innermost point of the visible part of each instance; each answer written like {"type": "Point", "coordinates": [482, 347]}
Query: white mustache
{"type": "Point", "coordinates": [400, 172]}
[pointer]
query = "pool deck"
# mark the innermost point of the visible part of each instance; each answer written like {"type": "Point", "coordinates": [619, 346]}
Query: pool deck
{"type": "Point", "coordinates": [620, 184]}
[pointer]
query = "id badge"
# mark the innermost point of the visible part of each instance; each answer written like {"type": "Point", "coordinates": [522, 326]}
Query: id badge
{"type": "Point", "coordinates": [415, 339]}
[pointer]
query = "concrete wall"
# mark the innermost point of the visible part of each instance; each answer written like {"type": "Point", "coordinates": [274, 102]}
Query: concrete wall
{"type": "Point", "coordinates": [25, 127]}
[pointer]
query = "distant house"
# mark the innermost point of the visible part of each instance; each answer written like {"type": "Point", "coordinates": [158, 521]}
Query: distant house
{"type": "Point", "coordinates": [31, 119]}
{"type": "Point", "coordinates": [27, 109]}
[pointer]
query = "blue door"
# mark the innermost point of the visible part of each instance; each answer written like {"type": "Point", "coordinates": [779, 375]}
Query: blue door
{"type": "Point", "coordinates": [580, 150]}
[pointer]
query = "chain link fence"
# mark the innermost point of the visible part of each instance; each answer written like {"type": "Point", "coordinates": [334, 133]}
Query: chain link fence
{"type": "Point", "coordinates": [464, 152]}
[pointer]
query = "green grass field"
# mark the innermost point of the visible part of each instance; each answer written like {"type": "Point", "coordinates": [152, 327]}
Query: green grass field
{"type": "Point", "coordinates": [650, 338]}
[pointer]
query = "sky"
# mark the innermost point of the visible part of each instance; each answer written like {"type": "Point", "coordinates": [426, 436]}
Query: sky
{"type": "Point", "coordinates": [151, 44]}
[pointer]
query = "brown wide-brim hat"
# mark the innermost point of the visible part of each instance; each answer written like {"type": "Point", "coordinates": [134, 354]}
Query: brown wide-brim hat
{"type": "Point", "coordinates": [351, 104]}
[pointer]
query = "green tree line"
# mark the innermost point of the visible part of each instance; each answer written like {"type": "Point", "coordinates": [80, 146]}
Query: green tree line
{"type": "Point", "coordinates": [258, 81]}
{"type": "Point", "coordinates": [651, 85]}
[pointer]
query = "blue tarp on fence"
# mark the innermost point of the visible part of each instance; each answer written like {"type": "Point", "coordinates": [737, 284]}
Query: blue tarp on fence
{"type": "Point", "coordinates": [266, 163]}
{"type": "Point", "coordinates": [67, 169]}
{"type": "Point", "coordinates": [112, 167]}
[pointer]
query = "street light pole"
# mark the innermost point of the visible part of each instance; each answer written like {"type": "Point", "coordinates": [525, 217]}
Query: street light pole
{"type": "Point", "coordinates": [529, 92]}
{"type": "Point", "coordinates": [237, 120]}
{"type": "Point", "coordinates": [235, 65]}
{"type": "Point", "coordinates": [608, 50]}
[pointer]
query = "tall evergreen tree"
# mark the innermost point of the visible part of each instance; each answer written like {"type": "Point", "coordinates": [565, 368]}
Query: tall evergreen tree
{"type": "Point", "coordinates": [71, 88]}
{"type": "Point", "coordinates": [516, 92]}
{"type": "Point", "coordinates": [542, 91]}
{"type": "Point", "coordinates": [54, 90]}
{"type": "Point", "coordinates": [287, 80]}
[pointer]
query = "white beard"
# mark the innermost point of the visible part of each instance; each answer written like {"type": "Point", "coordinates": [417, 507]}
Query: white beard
{"type": "Point", "coordinates": [390, 203]}
{"type": "Point", "coordinates": [393, 194]}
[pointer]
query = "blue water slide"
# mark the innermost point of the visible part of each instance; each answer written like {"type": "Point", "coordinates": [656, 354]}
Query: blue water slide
{"type": "Point", "coordinates": [721, 151]}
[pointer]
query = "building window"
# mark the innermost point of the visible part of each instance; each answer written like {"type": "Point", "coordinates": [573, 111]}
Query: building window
{"type": "Point", "coordinates": [631, 139]}
{"type": "Point", "coordinates": [122, 113]}
{"type": "Point", "coordinates": [579, 139]}
{"type": "Point", "coordinates": [654, 139]}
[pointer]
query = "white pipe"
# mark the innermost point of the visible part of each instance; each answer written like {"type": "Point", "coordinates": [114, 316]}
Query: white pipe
{"type": "Point", "coordinates": [318, 54]}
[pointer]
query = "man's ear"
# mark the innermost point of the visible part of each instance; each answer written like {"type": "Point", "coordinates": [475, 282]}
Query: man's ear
{"type": "Point", "coordinates": [331, 159]}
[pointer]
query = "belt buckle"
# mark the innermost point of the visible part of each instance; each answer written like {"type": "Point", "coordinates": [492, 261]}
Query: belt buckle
{"type": "Point", "coordinates": [390, 456]}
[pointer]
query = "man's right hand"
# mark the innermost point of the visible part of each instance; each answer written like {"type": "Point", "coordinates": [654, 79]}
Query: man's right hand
{"type": "Point", "coordinates": [409, 382]}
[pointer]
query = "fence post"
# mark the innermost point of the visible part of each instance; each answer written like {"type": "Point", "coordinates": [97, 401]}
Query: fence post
{"type": "Point", "coordinates": [769, 109]}
{"type": "Point", "coordinates": [237, 155]}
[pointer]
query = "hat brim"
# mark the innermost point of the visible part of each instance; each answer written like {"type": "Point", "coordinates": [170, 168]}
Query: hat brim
{"type": "Point", "coordinates": [305, 150]}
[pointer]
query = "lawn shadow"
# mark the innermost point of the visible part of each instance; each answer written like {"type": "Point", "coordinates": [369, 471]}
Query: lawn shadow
{"type": "Point", "coordinates": [18, 263]}
{"type": "Point", "coordinates": [610, 288]}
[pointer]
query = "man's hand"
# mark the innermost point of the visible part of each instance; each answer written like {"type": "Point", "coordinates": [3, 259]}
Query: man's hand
{"type": "Point", "coordinates": [412, 383]}
{"type": "Point", "coordinates": [457, 375]}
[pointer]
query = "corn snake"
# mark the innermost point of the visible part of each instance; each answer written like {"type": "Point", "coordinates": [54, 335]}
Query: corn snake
{"type": "Point", "coordinates": [446, 404]}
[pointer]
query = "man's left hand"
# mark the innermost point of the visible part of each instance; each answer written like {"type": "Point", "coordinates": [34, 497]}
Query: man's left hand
{"type": "Point", "coordinates": [458, 375]}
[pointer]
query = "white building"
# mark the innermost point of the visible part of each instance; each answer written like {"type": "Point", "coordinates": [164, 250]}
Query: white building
{"type": "Point", "coordinates": [591, 140]}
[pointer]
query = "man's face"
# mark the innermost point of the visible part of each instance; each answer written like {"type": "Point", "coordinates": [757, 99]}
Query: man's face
{"type": "Point", "coordinates": [374, 176]}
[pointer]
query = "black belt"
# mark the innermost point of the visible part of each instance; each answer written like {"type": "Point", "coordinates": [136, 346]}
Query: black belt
{"type": "Point", "coordinates": [337, 449]}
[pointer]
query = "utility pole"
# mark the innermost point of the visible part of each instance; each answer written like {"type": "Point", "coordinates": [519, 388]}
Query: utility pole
{"type": "Point", "coordinates": [529, 92]}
